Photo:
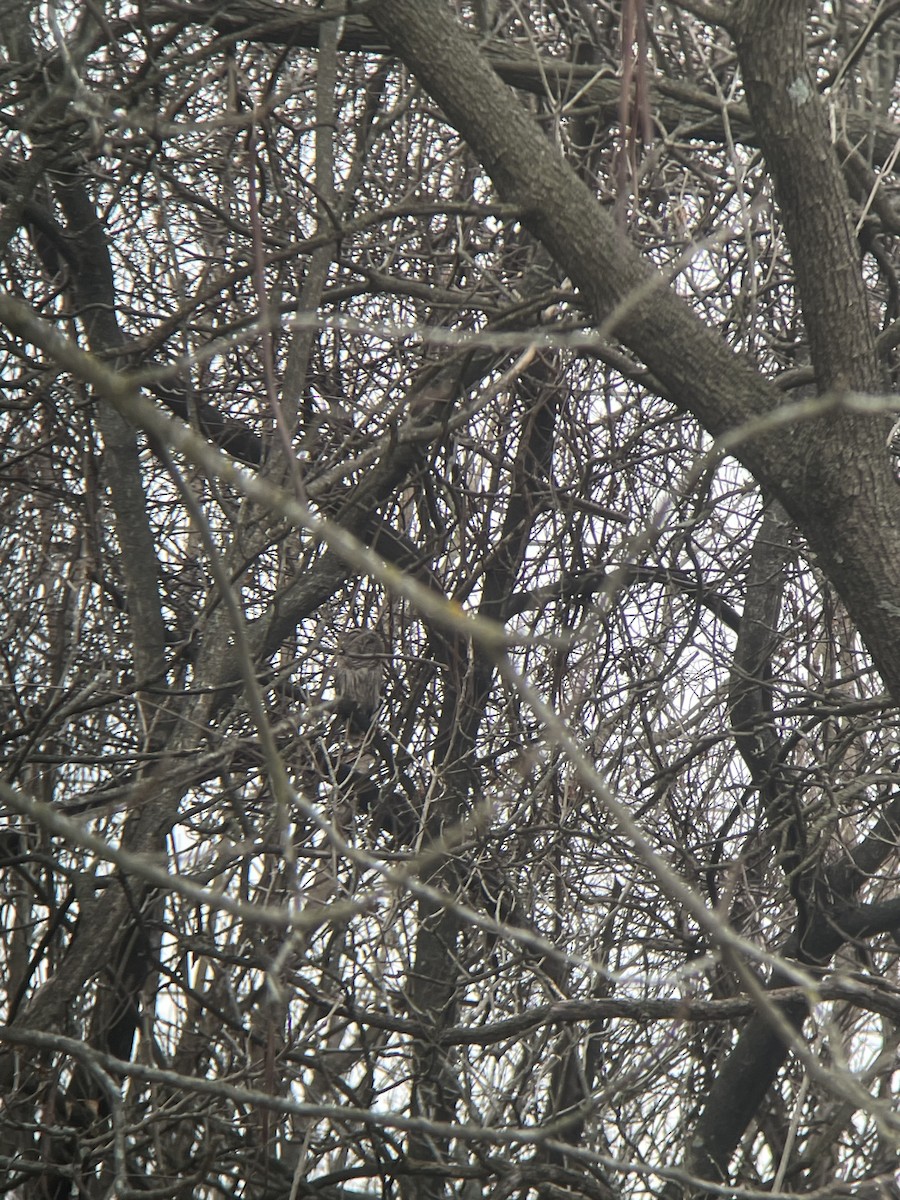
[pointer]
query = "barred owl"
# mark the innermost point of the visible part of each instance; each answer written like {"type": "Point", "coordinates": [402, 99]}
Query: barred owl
{"type": "Point", "coordinates": [358, 676]}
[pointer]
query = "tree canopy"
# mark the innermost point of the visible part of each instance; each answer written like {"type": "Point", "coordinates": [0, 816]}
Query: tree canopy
{"type": "Point", "coordinates": [451, 599]}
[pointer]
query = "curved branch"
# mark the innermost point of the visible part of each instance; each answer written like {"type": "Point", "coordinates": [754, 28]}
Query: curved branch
{"type": "Point", "coordinates": [833, 480]}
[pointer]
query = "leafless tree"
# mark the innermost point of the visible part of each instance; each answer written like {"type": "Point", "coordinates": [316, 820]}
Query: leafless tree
{"type": "Point", "coordinates": [558, 341]}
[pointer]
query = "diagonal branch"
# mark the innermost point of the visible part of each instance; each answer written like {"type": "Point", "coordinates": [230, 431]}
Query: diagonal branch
{"type": "Point", "coordinates": [833, 480]}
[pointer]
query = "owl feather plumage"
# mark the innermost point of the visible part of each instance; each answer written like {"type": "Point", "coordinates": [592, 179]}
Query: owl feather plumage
{"type": "Point", "coordinates": [358, 676]}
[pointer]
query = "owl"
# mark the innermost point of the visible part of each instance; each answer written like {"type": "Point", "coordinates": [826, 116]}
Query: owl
{"type": "Point", "coordinates": [358, 676]}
